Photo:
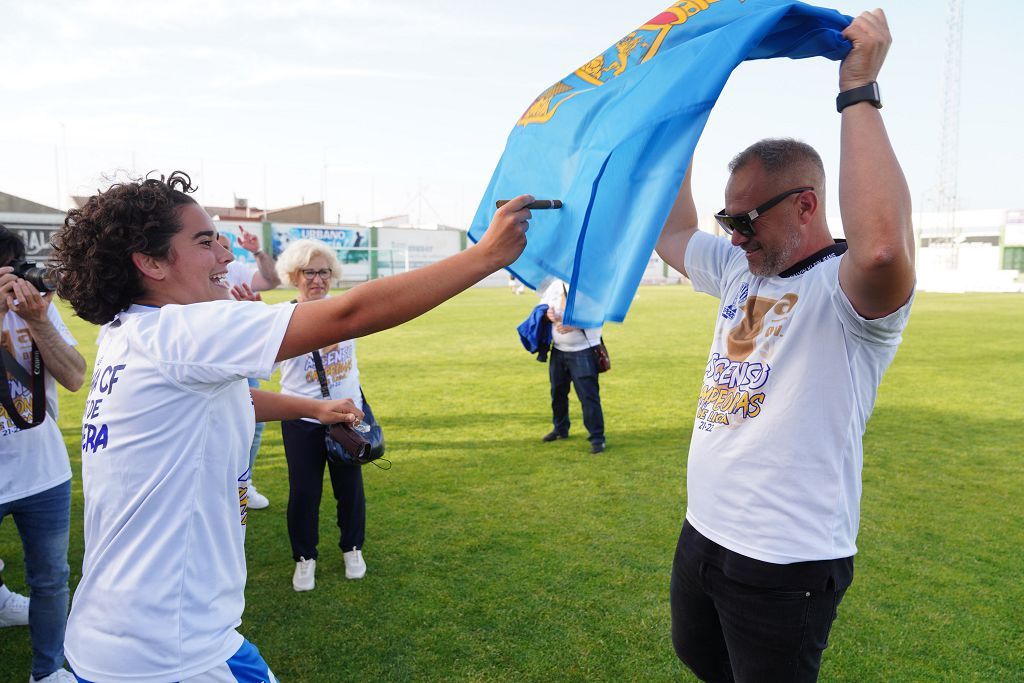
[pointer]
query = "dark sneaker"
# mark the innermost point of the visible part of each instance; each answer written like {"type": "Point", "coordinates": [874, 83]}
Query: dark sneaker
{"type": "Point", "coordinates": [553, 436]}
{"type": "Point", "coordinates": [597, 447]}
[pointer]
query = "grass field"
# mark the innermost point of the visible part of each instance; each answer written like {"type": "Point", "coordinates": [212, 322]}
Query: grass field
{"type": "Point", "coordinates": [494, 557]}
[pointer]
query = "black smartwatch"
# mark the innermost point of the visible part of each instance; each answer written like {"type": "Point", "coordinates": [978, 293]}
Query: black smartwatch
{"type": "Point", "coordinates": [865, 93]}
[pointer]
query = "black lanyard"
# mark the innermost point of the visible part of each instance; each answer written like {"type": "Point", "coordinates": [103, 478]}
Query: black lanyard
{"type": "Point", "coordinates": [38, 382]}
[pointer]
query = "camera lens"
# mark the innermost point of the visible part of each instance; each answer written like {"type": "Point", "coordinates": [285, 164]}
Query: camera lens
{"type": "Point", "coordinates": [40, 277]}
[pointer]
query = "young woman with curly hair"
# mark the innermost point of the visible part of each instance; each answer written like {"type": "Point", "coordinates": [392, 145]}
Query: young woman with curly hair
{"type": "Point", "coordinates": [169, 418]}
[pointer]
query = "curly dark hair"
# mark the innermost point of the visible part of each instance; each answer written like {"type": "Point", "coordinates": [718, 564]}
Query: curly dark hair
{"type": "Point", "coordinates": [92, 252]}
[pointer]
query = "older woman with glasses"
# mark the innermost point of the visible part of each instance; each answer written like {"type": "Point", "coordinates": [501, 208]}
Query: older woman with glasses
{"type": "Point", "coordinates": [312, 267]}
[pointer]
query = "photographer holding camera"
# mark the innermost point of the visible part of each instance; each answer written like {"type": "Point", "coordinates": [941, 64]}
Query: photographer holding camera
{"type": "Point", "coordinates": [35, 473]}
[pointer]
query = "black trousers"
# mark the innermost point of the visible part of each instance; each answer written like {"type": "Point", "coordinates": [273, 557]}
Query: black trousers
{"type": "Point", "coordinates": [579, 369]}
{"type": "Point", "coordinates": [306, 455]}
{"type": "Point", "coordinates": [724, 630]}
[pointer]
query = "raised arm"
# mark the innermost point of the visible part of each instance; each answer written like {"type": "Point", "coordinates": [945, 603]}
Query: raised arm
{"type": "Point", "coordinates": [680, 226]}
{"type": "Point", "coordinates": [266, 276]}
{"type": "Point", "coordinates": [877, 273]}
{"type": "Point", "coordinates": [380, 304]}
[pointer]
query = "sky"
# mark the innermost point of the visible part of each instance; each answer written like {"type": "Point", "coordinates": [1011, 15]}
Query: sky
{"type": "Point", "coordinates": [386, 107]}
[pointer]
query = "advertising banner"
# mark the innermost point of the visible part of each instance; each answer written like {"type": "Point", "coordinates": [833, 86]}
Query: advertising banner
{"type": "Point", "coordinates": [351, 244]}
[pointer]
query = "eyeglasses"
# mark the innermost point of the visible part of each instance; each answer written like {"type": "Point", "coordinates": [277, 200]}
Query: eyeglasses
{"type": "Point", "coordinates": [743, 223]}
{"type": "Point", "coordinates": [324, 273]}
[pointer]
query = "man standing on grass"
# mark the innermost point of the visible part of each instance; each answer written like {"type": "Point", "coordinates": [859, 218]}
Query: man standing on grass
{"type": "Point", "coordinates": [572, 363]}
{"type": "Point", "coordinates": [806, 328]}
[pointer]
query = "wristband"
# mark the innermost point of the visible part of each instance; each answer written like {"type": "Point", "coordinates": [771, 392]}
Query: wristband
{"type": "Point", "coordinates": [256, 253]}
{"type": "Point", "coordinates": [865, 93]}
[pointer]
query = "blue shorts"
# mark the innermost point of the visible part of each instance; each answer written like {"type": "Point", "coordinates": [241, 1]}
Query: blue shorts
{"type": "Point", "coordinates": [245, 666]}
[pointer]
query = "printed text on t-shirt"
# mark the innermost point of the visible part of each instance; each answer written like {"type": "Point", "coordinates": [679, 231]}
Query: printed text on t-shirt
{"type": "Point", "coordinates": [96, 436]}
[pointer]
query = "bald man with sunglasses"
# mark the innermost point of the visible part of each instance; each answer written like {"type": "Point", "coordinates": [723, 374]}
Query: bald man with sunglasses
{"type": "Point", "coordinates": [806, 329]}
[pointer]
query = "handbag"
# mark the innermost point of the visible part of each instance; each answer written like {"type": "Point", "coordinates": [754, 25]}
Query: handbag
{"type": "Point", "coordinates": [346, 444]}
{"type": "Point", "coordinates": [600, 351]}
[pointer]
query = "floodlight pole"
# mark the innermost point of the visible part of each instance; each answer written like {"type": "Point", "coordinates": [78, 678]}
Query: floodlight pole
{"type": "Point", "coordinates": [950, 144]}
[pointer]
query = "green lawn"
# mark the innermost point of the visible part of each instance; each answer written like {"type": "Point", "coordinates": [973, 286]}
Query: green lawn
{"type": "Point", "coordinates": [495, 557]}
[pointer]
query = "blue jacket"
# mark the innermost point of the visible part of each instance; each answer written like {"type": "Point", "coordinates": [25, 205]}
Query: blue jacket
{"type": "Point", "coordinates": [535, 333]}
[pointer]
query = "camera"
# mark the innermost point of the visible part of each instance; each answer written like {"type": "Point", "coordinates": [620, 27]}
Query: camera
{"type": "Point", "coordinates": [41, 277]}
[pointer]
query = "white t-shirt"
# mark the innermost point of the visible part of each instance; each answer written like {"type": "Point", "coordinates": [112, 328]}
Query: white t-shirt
{"type": "Point", "coordinates": [575, 340]}
{"type": "Point", "coordinates": [298, 375]}
{"type": "Point", "coordinates": [31, 460]}
{"type": "Point", "coordinates": [165, 455]}
{"type": "Point", "coordinates": [775, 460]}
{"type": "Point", "coordinates": [240, 273]}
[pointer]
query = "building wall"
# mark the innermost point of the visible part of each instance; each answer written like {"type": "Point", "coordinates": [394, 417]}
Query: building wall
{"type": "Point", "coordinates": [970, 253]}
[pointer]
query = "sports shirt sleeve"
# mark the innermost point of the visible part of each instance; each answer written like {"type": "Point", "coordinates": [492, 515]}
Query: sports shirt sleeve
{"type": "Point", "coordinates": [219, 341]}
{"type": "Point", "coordinates": [706, 261]}
{"type": "Point", "coordinates": [887, 331]}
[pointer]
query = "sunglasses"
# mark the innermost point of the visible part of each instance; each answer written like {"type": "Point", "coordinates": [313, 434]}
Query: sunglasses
{"type": "Point", "coordinates": [743, 223]}
{"type": "Point", "coordinates": [324, 273]}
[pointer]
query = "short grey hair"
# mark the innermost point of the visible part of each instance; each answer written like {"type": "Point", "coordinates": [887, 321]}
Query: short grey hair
{"type": "Point", "coordinates": [781, 156]}
{"type": "Point", "coordinates": [299, 253]}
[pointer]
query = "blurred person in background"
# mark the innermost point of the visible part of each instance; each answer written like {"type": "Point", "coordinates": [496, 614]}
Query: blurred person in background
{"type": "Point", "coordinates": [35, 473]}
{"type": "Point", "coordinates": [572, 363]}
{"type": "Point", "coordinates": [246, 283]}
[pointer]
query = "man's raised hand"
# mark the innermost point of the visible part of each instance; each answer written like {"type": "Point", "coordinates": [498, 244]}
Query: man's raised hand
{"type": "Point", "coordinates": [247, 240]}
{"type": "Point", "coordinates": [869, 35]}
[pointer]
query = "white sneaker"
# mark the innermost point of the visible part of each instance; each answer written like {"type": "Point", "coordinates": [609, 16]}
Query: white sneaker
{"type": "Point", "coordinates": [14, 610]}
{"type": "Point", "coordinates": [58, 676]}
{"type": "Point", "coordinates": [355, 567]}
{"type": "Point", "coordinates": [304, 578]}
{"type": "Point", "coordinates": [257, 501]}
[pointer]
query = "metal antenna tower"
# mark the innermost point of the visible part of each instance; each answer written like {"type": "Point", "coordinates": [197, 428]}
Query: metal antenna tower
{"type": "Point", "coordinates": [950, 145]}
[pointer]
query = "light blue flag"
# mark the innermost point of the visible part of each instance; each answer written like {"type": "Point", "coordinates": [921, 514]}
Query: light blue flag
{"type": "Point", "coordinates": [612, 140]}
